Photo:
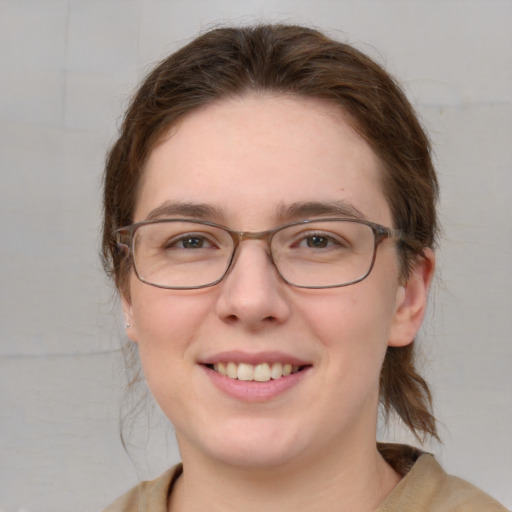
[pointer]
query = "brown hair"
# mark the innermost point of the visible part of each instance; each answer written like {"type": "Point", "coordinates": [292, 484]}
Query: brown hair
{"type": "Point", "coordinates": [230, 62]}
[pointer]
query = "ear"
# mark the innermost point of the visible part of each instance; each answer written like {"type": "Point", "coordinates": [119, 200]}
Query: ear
{"type": "Point", "coordinates": [411, 301]}
{"type": "Point", "coordinates": [129, 322]}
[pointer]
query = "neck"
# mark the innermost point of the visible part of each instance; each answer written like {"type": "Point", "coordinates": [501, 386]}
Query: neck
{"type": "Point", "coordinates": [356, 480]}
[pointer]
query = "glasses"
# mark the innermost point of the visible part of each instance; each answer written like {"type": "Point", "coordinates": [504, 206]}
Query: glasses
{"type": "Point", "coordinates": [183, 254]}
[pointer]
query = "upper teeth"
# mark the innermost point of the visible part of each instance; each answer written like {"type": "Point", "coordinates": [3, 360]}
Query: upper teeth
{"type": "Point", "coordinates": [262, 372]}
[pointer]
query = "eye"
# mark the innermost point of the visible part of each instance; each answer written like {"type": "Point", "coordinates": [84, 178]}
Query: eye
{"type": "Point", "coordinates": [189, 241]}
{"type": "Point", "coordinates": [317, 241]}
{"type": "Point", "coordinates": [321, 240]}
{"type": "Point", "coordinates": [193, 242]}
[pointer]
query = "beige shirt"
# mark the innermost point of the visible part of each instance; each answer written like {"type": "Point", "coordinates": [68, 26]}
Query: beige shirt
{"type": "Point", "coordinates": [426, 487]}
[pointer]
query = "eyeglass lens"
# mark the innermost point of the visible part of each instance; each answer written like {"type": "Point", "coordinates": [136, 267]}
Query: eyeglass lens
{"type": "Point", "coordinates": [178, 254]}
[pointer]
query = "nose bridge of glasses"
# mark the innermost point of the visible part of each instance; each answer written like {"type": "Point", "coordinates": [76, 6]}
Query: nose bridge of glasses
{"type": "Point", "coordinates": [243, 236]}
{"type": "Point", "coordinates": [255, 235]}
{"type": "Point", "coordinates": [264, 236]}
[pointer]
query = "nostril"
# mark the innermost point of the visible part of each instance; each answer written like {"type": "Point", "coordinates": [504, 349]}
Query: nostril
{"type": "Point", "coordinates": [231, 319]}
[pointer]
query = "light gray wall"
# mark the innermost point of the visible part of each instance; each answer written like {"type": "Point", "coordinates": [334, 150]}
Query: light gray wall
{"type": "Point", "coordinates": [66, 70]}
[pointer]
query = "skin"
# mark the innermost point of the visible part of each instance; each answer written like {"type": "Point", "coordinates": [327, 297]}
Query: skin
{"type": "Point", "coordinates": [313, 446]}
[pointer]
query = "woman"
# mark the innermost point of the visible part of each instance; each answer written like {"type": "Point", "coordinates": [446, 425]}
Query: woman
{"type": "Point", "coordinates": [270, 224]}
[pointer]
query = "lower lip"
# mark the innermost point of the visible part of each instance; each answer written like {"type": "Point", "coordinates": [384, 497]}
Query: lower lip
{"type": "Point", "coordinates": [252, 391]}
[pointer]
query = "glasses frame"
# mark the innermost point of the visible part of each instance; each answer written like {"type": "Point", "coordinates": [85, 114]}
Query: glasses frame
{"type": "Point", "coordinates": [125, 238]}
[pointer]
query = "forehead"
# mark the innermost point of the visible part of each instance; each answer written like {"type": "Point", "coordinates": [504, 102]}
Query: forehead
{"type": "Point", "coordinates": [249, 156]}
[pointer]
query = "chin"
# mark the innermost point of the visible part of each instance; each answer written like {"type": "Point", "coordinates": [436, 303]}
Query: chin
{"type": "Point", "coordinates": [246, 456]}
{"type": "Point", "coordinates": [254, 446]}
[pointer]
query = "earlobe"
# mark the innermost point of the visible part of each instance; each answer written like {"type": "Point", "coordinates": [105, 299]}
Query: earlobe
{"type": "Point", "coordinates": [129, 323]}
{"type": "Point", "coordinates": [412, 301]}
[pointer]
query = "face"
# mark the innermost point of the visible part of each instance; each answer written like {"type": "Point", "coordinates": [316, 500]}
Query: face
{"type": "Point", "coordinates": [249, 160]}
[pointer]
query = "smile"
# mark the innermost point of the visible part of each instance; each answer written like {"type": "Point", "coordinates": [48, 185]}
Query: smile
{"type": "Point", "coordinates": [262, 372]}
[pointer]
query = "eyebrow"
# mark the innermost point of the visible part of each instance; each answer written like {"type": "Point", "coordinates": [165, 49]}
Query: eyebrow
{"type": "Point", "coordinates": [306, 209]}
{"type": "Point", "coordinates": [284, 213]}
{"type": "Point", "coordinates": [201, 211]}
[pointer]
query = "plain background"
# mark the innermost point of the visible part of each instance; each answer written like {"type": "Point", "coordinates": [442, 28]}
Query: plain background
{"type": "Point", "coordinates": [67, 69]}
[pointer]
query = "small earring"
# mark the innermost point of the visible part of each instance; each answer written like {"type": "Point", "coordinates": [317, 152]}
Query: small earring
{"type": "Point", "coordinates": [128, 325]}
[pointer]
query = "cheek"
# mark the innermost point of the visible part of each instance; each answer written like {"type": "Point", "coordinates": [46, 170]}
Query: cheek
{"type": "Point", "coordinates": [164, 315]}
{"type": "Point", "coordinates": [166, 323]}
{"type": "Point", "coordinates": [352, 328]}
{"type": "Point", "coordinates": [352, 323]}
{"type": "Point", "coordinates": [166, 326]}
{"type": "Point", "coordinates": [353, 320]}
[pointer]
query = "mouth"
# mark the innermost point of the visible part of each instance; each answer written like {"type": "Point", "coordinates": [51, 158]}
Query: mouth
{"type": "Point", "coordinates": [261, 372]}
{"type": "Point", "coordinates": [255, 377]}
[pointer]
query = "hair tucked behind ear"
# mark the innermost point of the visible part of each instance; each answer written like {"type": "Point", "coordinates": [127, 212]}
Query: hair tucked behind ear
{"type": "Point", "coordinates": [230, 62]}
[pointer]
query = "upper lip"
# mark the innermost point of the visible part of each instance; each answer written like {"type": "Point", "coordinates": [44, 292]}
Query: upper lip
{"type": "Point", "coordinates": [238, 356]}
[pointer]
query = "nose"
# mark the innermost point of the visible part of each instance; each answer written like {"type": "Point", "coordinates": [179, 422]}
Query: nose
{"type": "Point", "coordinates": [253, 294]}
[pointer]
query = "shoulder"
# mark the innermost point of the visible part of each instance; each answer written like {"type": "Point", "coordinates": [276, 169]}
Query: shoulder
{"type": "Point", "coordinates": [428, 488]}
{"type": "Point", "coordinates": [147, 496]}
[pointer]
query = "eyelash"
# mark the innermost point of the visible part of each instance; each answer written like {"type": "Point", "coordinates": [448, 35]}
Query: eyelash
{"type": "Point", "coordinates": [172, 243]}
{"type": "Point", "coordinates": [331, 239]}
